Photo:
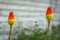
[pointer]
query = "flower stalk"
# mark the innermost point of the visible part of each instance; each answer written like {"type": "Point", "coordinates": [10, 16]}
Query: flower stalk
{"type": "Point", "coordinates": [10, 32]}
{"type": "Point", "coordinates": [11, 21]}
{"type": "Point", "coordinates": [49, 16]}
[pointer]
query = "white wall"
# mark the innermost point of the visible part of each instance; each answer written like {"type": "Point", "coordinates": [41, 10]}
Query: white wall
{"type": "Point", "coordinates": [26, 11]}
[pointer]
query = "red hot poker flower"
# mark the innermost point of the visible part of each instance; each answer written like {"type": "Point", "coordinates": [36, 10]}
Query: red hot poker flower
{"type": "Point", "coordinates": [11, 18]}
{"type": "Point", "coordinates": [49, 13]}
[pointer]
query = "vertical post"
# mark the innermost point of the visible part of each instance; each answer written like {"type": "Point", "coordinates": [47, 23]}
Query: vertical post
{"type": "Point", "coordinates": [10, 32]}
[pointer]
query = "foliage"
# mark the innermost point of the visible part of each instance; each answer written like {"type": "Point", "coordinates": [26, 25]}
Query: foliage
{"type": "Point", "coordinates": [38, 34]}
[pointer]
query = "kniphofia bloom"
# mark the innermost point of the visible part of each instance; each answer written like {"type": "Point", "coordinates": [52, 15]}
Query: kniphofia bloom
{"type": "Point", "coordinates": [49, 13]}
{"type": "Point", "coordinates": [11, 18]}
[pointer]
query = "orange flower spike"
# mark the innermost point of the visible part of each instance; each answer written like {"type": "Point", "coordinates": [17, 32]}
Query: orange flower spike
{"type": "Point", "coordinates": [11, 18]}
{"type": "Point", "coordinates": [49, 13]}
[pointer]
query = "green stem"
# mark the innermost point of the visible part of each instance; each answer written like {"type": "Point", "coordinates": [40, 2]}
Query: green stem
{"type": "Point", "coordinates": [49, 24]}
{"type": "Point", "coordinates": [10, 32]}
{"type": "Point", "coordinates": [47, 37]}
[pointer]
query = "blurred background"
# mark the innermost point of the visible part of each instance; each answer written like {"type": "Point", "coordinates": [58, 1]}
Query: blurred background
{"type": "Point", "coordinates": [27, 14]}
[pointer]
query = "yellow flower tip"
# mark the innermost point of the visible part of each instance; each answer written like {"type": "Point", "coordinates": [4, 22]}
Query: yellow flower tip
{"type": "Point", "coordinates": [50, 16]}
{"type": "Point", "coordinates": [11, 21]}
{"type": "Point", "coordinates": [11, 18]}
